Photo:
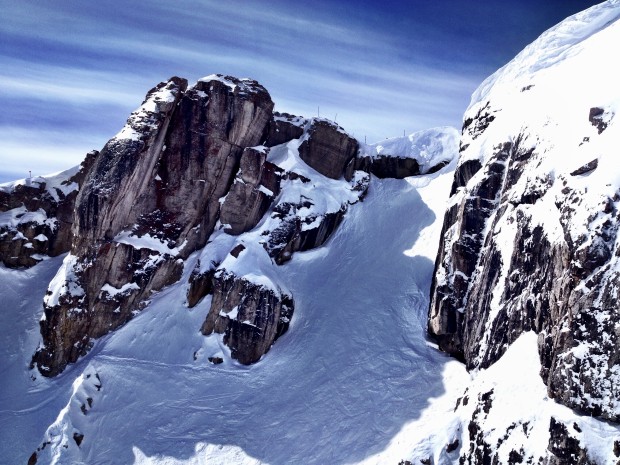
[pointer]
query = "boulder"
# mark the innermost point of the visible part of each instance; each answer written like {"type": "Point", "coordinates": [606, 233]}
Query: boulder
{"type": "Point", "coordinates": [250, 315]}
{"type": "Point", "coordinates": [255, 187]}
{"type": "Point", "coordinates": [328, 148]}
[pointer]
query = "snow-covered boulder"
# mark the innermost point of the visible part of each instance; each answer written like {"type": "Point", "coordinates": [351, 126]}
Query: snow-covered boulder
{"type": "Point", "coordinates": [327, 148]}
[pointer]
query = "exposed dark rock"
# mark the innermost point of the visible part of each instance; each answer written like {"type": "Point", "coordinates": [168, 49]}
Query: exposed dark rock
{"type": "Point", "coordinates": [446, 321]}
{"type": "Point", "coordinates": [161, 177]}
{"type": "Point", "coordinates": [284, 128]}
{"type": "Point", "coordinates": [200, 284]}
{"type": "Point", "coordinates": [454, 445]}
{"type": "Point", "coordinates": [297, 234]}
{"type": "Point", "coordinates": [479, 449]}
{"type": "Point", "coordinates": [113, 196]}
{"type": "Point", "coordinates": [483, 298]}
{"type": "Point", "coordinates": [564, 448]}
{"type": "Point", "coordinates": [464, 172]}
{"type": "Point", "coordinates": [360, 181]}
{"type": "Point", "coordinates": [515, 457]}
{"type": "Point", "coordinates": [587, 168]}
{"type": "Point", "coordinates": [255, 187]}
{"type": "Point", "coordinates": [42, 217]}
{"type": "Point", "coordinates": [100, 302]}
{"type": "Point", "coordinates": [393, 166]}
{"type": "Point", "coordinates": [328, 149]}
{"type": "Point", "coordinates": [386, 166]}
{"type": "Point", "coordinates": [599, 118]}
{"type": "Point", "coordinates": [78, 438]}
{"type": "Point", "coordinates": [476, 126]}
{"type": "Point", "coordinates": [216, 360]}
{"type": "Point", "coordinates": [251, 316]}
{"type": "Point", "coordinates": [33, 459]}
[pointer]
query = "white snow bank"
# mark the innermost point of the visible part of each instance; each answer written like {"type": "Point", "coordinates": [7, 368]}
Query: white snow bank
{"type": "Point", "coordinates": [147, 241]}
{"type": "Point", "coordinates": [212, 454]}
{"type": "Point", "coordinates": [53, 183]}
{"type": "Point", "coordinates": [428, 147]}
{"type": "Point", "coordinates": [20, 215]}
{"type": "Point", "coordinates": [115, 291]}
{"type": "Point", "coordinates": [64, 283]}
{"type": "Point", "coordinates": [244, 85]}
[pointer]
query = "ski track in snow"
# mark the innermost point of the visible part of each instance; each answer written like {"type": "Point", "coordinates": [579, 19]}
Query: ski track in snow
{"type": "Point", "coordinates": [354, 368]}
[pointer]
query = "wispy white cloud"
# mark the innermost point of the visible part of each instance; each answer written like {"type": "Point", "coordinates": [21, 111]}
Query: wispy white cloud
{"type": "Point", "coordinates": [354, 72]}
{"type": "Point", "coordinates": [40, 151]}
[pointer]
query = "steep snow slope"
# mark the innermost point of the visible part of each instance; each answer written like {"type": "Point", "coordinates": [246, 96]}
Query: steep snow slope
{"type": "Point", "coordinates": [353, 370]}
{"type": "Point", "coordinates": [27, 407]}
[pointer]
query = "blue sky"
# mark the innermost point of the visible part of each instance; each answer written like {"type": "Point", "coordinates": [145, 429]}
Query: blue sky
{"type": "Point", "coordinates": [71, 71]}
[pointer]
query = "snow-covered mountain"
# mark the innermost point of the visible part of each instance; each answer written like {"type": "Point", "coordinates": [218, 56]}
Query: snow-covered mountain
{"type": "Point", "coordinates": [225, 284]}
{"type": "Point", "coordinates": [530, 243]}
{"type": "Point", "coordinates": [206, 210]}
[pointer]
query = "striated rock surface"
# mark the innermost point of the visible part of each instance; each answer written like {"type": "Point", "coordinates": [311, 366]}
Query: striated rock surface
{"type": "Point", "coordinates": [151, 198]}
{"type": "Point", "coordinates": [250, 315]}
{"type": "Point", "coordinates": [255, 187]}
{"type": "Point", "coordinates": [327, 148]}
{"type": "Point", "coordinates": [530, 238]}
{"type": "Point", "coordinates": [283, 128]}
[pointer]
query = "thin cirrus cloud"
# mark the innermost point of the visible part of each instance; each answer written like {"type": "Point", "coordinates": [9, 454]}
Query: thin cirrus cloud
{"type": "Point", "coordinates": [72, 71]}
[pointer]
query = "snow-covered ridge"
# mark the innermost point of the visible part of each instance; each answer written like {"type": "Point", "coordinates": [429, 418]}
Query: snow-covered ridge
{"type": "Point", "coordinates": [242, 86]}
{"type": "Point", "coordinates": [54, 183]}
{"type": "Point", "coordinates": [299, 121]}
{"type": "Point", "coordinates": [428, 147]}
{"type": "Point", "coordinates": [553, 47]}
{"type": "Point", "coordinates": [144, 119]}
{"type": "Point", "coordinates": [65, 283]}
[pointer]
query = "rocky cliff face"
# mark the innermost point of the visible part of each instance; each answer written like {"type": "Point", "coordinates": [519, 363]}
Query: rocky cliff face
{"type": "Point", "coordinates": [206, 169]}
{"type": "Point", "coordinates": [530, 238]}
